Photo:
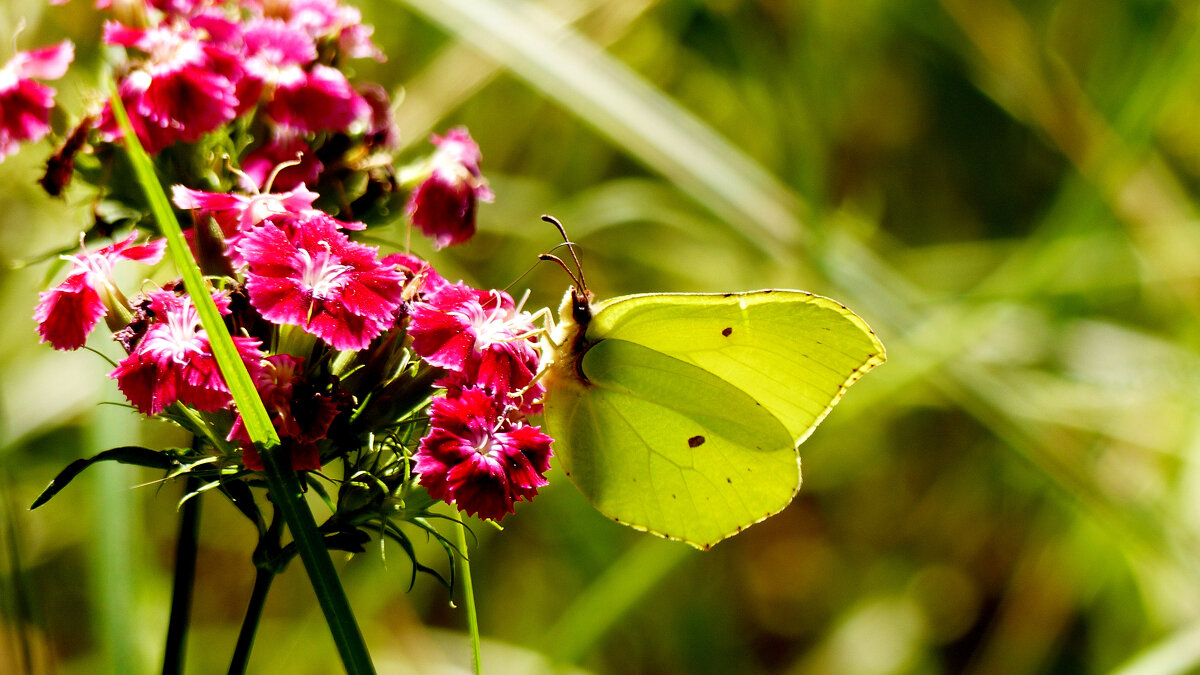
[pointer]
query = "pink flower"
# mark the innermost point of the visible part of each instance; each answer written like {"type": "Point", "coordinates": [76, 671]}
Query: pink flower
{"type": "Point", "coordinates": [300, 414]}
{"type": "Point", "coordinates": [311, 275]}
{"type": "Point", "coordinates": [67, 313]}
{"type": "Point", "coordinates": [320, 100]}
{"type": "Point", "coordinates": [275, 56]}
{"type": "Point", "coordinates": [479, 334]}
{"type": "Point", "coordinates": [422, 279]}
{"type": "Point", "coordinates": [25, 105]}
{"type": "Point", "coordinates": [185, 89]}
{"type": "Point", "coordinates": [326, 18]}
{"type": "Point", "coordinates": [443, 205]}
{"type": "Point", "coordinates": [475, 458]}
{"type": "Point", "coordinates": [238, 213]}
{"type": "Point", "coordinates": [284, 145]}
{"type": "Point", "coordinates": [173, 360]}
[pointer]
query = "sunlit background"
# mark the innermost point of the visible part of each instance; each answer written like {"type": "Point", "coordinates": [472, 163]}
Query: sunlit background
{"type": "Point", "coordinates": [1005, 190]}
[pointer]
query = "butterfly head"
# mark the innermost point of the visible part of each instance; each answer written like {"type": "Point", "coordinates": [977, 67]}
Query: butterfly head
{"type": "Point", "coordinates": [581, 306]}
{"type": "Point", "coordinates": [574, 315]}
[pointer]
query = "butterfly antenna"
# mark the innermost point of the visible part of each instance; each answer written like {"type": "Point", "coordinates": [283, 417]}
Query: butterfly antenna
{"type": "Point", "coordinates": [523, 275]}
{"type": "Point", "coordinates": [580, 281]}
{"type": "Point", "coordinates": [559, 261]}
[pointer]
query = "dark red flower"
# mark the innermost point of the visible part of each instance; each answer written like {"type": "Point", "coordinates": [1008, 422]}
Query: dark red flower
{"type": "Point", "coordinates": [25, 105]}
{"type": "Point", "coordinates": [443, 205]}
{"type": "Point", "coordinates": [300, 415]}
{"type": "Point", "coordinates": [477, 459]}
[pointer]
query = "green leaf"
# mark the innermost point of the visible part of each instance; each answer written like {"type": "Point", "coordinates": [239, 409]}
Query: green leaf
{"type": "Point", "coordinates": [130, 454]}
{"type": "Point", "coordinates": [282, 483]}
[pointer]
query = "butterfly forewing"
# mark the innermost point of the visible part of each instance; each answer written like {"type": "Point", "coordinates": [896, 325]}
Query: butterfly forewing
{"type": "Point", "coordinates": [793, 352]}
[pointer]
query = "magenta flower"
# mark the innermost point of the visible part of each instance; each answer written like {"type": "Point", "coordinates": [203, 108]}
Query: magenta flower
{"type": "Point", "coordinates": [475, 458]}
{"type": "Point", "coordinates": [300, 415]}
{"type": "Point", "coordinates": [25, 105]}
{"type": "Point", "coordinates": [309, 274]}
{"type": "Point", "coordinates": [422, 279]}
{"type": "Point", "coordinates": [479, 334]}
{"type": "Point", "coordinates": [239, 213]}
{"type": "Point", "coordinates": [173, 360]}
{"type": "Point", "coordinates": [326, 18]}
{"type": "Point", "coordinates": [67, 313]}
{"type": "Point", "coordinates": [185, 88]}
{"type": "Point", "coordinates": [321, 100]}
{"type": "Point", "coordinates": [283, 146]}
{"type": "Point", "coordinates": [443, 205]}
{"type": "Point", "coordinates": [275, 56]}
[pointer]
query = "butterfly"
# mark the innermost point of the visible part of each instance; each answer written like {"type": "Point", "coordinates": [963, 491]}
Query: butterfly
{"type": "Point", "coordinates": [680, 414]}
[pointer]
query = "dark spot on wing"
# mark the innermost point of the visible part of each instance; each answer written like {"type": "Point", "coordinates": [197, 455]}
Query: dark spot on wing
{"type": "Point", "coordinates": [729, 480]}
{"type": "Point", "coordinates": [672, 496]}
{"type": "Point", "coordinates": [695, 441]}
{"type": "Point", "coordinates": [727, 332]}
{"type": "Point", "coordinates": [727, 295]}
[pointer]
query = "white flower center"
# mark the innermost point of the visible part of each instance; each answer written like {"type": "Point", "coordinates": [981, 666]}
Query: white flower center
{"type": "Point", "coordinates": [322, 274]}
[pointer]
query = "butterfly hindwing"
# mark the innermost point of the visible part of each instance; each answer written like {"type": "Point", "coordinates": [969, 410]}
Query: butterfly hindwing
{"type": "Point", "coordinates": [662, 445]}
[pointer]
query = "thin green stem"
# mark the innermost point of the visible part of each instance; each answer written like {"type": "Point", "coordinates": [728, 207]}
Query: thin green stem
{"type": "Point", "coordinates": [469, 596]}
{"type": "Point", "coordinates": [286, 494]}
{"type": "Point", "coordinates": [258, 599]}
{"type": "Point", "coordinates": [184, 582]}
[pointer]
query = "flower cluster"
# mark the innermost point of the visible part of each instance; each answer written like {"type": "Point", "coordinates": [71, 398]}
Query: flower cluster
{"type": "Point", "coordinates": [481, 452]}
{"type": "Point", "coordinates": [354, 353]}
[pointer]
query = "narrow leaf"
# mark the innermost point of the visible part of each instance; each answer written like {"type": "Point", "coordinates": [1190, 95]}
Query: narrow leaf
{"type": "Point", "coordinates": [130, 454]}
{"type": "Point", "coordinates": [282, 483]}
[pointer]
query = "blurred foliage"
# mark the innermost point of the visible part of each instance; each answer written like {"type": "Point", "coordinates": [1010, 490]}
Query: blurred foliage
{"type": "Point", "coordinates": [1005, 189]}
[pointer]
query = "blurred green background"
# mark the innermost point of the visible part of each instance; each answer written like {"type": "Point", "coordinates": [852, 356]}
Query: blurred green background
{"type": "Point", "coordinates": [1004, 189]}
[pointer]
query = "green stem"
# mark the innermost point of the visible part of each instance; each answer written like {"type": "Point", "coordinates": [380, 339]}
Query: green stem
{"type": "Point", "coordinates": [285, 493]}
{"type": "Point", "coordinates": [184, 582]}
{"type": "Point", "coordinates": [258, 599]}
{"type": "Point", "coordinates": [469, 596]}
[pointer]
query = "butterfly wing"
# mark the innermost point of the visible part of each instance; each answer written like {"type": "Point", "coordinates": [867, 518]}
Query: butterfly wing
{"type": "Point", "coordinates": [796, 353]}
{"type": "Point", "coordinates": [664, 446]}
{"type": "Point", "coordinates": [683, 414]}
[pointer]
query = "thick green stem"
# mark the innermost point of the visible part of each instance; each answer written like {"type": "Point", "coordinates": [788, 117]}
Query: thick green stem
{"type": "Point", "coordinates": [185, 578]}
{"type": "Point", "coordinates": [258, 599]}
{"type": "Point", "coordinates": [285, 493]}
{"type": "Point", "coordinates": [469, 597]}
